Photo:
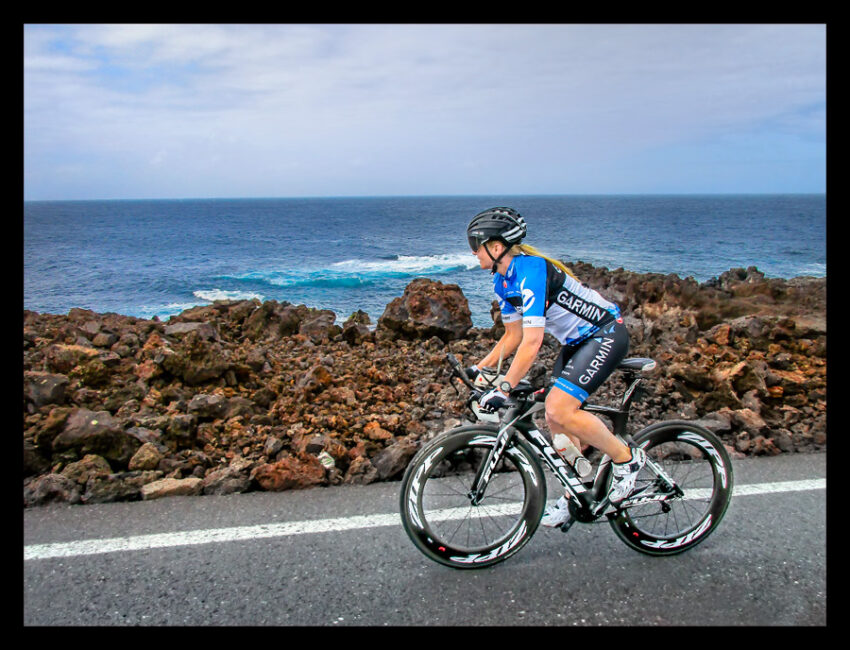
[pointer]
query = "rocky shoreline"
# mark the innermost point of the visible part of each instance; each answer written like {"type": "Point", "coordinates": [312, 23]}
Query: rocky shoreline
{"type": "Point", "coordinates": [243, 395]}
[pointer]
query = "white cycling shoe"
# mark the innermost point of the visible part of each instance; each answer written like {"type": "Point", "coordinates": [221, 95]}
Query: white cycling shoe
{"type": "Point", "coordinates": [624, 476]}
{"type": "Point", "coordinates": [557, 514]}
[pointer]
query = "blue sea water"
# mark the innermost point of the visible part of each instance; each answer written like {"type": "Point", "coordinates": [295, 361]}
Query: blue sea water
{"type": "Point", "coordinates": [159, 257]}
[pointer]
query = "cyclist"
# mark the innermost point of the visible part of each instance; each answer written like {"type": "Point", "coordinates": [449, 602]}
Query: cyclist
{"type": "Point", "coordinates": [538, 294]}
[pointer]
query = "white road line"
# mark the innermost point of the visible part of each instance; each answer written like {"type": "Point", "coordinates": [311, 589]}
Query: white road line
{"type": "Point", "coordinates": [783, 486]}
{"type": "Point", "coordinates": [193, 537]}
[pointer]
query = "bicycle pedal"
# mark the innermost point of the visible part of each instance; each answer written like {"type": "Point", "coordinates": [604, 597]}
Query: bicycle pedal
{"type": "Point", "coordinates": [565, 527]}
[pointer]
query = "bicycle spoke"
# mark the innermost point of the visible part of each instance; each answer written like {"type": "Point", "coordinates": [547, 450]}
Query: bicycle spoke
{"type": "Point", "coordinates": [451, 537]}
{"type": "Point", "coordinates": [495, 495]}
{"type": "Point", "coordinates": [479, 523]}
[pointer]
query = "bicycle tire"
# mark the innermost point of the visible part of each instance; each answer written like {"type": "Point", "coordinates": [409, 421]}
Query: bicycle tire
{"type": "Point", "coordinates": [698, 462]}
{"type": "Point", "coordinates": [435, 505]}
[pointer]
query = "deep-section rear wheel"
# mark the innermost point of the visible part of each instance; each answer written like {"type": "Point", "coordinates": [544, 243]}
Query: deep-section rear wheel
{"type": "Point", "coordinates": [699, 464]}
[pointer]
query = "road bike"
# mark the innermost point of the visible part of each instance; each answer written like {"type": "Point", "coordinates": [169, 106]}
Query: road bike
{"type": "Point", "coordinates": [473, 496]}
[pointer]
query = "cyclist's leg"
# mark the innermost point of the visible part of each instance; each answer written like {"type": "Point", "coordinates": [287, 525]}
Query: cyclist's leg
{"type": "Point", "coordinates": [566, 352]}
{"type": "Point", "coordinates": [578, 373]}
{"type": "Point", "coordinates": [563, 415]}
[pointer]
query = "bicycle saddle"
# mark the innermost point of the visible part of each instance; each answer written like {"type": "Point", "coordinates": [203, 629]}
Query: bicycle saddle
{"type": "Point", "coordinates": [637, 364]}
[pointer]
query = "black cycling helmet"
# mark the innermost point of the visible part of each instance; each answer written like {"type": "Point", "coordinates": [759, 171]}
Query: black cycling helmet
{"type": "Point", "coordinates": [503, 224]}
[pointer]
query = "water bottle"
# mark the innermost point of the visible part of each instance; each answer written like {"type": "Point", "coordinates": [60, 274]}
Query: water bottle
{"type": "Point", "coordinates": [486, 377]}
{"type": "Point", "coordinates": [572, 455]}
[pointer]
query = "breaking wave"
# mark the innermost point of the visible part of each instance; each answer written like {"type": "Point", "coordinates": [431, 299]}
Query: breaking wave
{"type": "Point", "coordinates": [357, 273]}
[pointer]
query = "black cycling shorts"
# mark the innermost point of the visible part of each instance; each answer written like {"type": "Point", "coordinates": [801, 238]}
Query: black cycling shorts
{"type": "Point", "coordinates": [580, 369]}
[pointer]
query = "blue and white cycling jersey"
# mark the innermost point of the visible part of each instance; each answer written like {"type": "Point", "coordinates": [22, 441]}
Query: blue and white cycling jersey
{"type": "Point", "coordinates": [542, 295]}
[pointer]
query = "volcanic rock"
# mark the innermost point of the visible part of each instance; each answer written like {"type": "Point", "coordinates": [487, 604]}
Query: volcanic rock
{"type": "Point", "coordinates": [244, 395]}
{"type": "Point", "coordinates": [427, 308]}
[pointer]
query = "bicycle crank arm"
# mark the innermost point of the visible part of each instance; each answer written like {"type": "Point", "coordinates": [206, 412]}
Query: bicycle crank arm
{"type": "Point", "coordinates": [565, 527]}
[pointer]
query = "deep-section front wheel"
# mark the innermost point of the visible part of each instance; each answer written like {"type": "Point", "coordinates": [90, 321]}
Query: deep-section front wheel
{"type": "Point", "coordinates": [700, 467]}
{"type": "Point", "coordinates": [439, 514]}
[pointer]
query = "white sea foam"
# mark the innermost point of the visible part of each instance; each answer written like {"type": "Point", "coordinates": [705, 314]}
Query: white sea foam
{"type": "Point", "coordinates": [164, 312]}
{"type": "Point", "coordinates": [353, 273]}
{"type": "Point", "coordinates": [411, 264]}
{"type": "Point", "coordinates": [816, 269]}
{"type": "Point", "coordinates": [219, 294]}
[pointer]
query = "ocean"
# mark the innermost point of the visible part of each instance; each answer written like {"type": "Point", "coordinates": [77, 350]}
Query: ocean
{"type": "Point", "coordinates": [149, 258]}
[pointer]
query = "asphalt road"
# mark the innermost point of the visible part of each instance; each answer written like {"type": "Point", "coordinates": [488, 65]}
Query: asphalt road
{"type": "Point", "coordinates": [339, 557]}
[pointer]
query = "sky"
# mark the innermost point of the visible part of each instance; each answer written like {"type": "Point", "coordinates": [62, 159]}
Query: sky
{"type": "Point", "coordinates": [133, 111]}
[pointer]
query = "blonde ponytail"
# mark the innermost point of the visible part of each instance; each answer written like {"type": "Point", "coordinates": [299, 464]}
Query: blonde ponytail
{"type": "Point", "coordinates": [527, 249]}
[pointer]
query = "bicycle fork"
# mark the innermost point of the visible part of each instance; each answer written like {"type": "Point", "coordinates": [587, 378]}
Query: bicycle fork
{"type": "Point", "coordinates": [503, 439]}
{"type": "Point", "coordinates": [566, 475]}
{"type": "Point", "coordinates": [485, 469]}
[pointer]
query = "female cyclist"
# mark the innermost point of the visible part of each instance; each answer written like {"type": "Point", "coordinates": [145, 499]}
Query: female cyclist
{"type": "Point", "coordinates": [538, 294]}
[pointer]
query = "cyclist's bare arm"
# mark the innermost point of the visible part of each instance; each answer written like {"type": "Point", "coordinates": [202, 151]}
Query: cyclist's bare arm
{"type": "Point", "coordinates": [532, 339]}
{"type": "Point", "coordinates": [505, 347]}
{"type": "Point", "coordinates": [525, 341]}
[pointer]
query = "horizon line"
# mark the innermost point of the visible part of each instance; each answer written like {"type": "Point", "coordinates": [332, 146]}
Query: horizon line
{"type": "Point", "coordinates": [425, 196]}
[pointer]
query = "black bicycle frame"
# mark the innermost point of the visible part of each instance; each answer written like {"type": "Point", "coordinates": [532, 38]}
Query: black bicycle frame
{"type": "Point", "coordinates": [518, 418]}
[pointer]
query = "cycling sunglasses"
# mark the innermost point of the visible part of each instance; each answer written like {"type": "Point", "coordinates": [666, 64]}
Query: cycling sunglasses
{"type": "Point", "coordinates": [475, 241]}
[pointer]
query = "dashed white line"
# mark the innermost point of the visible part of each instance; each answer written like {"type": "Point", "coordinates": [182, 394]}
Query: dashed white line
{"type": "Point", "coordinates": [237, 533]}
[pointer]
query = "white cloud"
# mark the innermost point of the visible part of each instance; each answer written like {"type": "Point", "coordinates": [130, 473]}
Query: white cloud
{"type": "Point", "coordinates": [231, 102]}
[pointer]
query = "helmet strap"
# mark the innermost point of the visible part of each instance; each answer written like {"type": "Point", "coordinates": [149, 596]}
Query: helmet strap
{"type": "Point", "coordinates": [496, 260]}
